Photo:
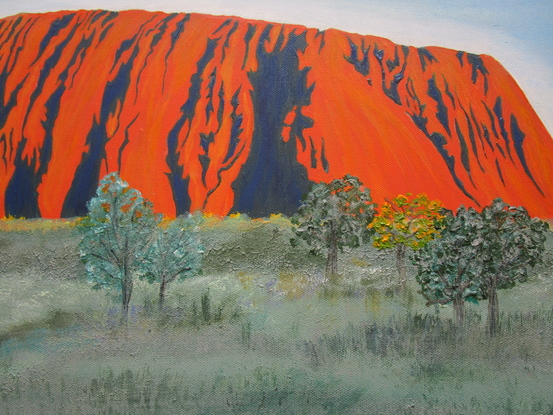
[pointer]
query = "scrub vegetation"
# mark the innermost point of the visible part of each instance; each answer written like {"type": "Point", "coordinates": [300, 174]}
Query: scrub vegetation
{"type": "Point", "coordinates": [263, 329]}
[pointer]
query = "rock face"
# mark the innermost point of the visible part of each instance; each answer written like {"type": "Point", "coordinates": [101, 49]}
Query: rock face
{"type": "Point", "coordinates": [230, 115]}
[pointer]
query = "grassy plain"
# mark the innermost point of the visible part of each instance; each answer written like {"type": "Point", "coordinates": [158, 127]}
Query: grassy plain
{"type": "Point", "coordinates": [260, 332]}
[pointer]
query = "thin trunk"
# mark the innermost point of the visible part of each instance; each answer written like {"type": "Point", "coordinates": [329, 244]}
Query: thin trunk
{"type": "Point", "coordinates": [400, 264]}
{"type": "Point", "coordinates": [493, 307]}
{"type": "Point", "coordinates": [162, 288]}
{"type": "Point", "coordinates": [459, 311]}
{"type": "Point", "coordinates": [331, 270]}
{"type": "Point", "coordinates": [126, 289]}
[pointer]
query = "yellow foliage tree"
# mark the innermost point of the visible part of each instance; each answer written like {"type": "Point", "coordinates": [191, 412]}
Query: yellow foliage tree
{"type": "Point", "coordinates": [406, 222]}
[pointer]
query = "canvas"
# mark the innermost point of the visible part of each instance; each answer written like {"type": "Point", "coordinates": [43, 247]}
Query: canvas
{"type": "Point", "coordinates": [334, 207]}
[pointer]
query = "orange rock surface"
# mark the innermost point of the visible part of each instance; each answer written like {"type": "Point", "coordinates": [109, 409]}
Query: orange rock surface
{"type": "Point", "coordinates": [225, 114]}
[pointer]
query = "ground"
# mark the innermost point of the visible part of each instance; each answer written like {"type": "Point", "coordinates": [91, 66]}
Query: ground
{"type": "Point", "coordinates": [260, 332]}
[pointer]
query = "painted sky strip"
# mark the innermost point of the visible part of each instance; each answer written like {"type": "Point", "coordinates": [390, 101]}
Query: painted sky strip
{"type": "Point", "coordinates": [517, 33]}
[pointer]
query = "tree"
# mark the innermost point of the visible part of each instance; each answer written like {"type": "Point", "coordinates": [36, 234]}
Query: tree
{"type": "Point", "coordinates": [511, 242]}
{"type": "Point", "coordinates": [406, 222]}
{"type": "Point", "coordinates": [115, 233]}
{"type": "Point", "coordinates": [449, 267]}
{"type": "Point", "coordinates": [175, 254]}
{"type": "Point", "coordinates": [479, 253]}
{"type": "Point", "coordinates": [334, 216]}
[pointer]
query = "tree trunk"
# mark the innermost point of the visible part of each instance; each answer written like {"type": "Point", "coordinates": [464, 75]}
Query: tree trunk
{"type": "Point", "coordinates": [400, 264]}
{"type": "Point", "coordinates": [126, 292]}
{"type": "Point", "coordinates": [162, 288]}
{"type": "Point", "coordinates": [331, 270]}
{"type": "Point", "coordinates": [493, 307]}
{"type": "Point", "coordinates": [459, 311]}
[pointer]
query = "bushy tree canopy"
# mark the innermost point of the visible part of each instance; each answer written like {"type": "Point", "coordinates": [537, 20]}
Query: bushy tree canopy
{"type": "Point", "coordinates": [511, 242]}
{"type": "Point", "coordinates": [406, 222]}
{"type": "Point", "coordinates": [479, 253]}
{"type": "Point", "coordinates": [335, 215]}
{"type": "Point", "coordinates": [175, 254]}
{"type": "Point", "coordinates": [116, 231]}
{"type": "Point", "coordinates": [449, 267]}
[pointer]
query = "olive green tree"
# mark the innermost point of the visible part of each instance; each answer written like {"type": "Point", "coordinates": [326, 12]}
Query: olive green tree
{"type": "Point", "coordinates": [511, 242]}
{"type": "Point", "coordinates": [449, 267]}
{"type": "Point", "coordinates": [333, 216]}
{"type": "Point", "coordinates": [478, 254]}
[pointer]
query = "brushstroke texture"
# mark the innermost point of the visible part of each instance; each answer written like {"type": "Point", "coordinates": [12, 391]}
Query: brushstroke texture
{"type": "Point", "coordinates": [232, 115]}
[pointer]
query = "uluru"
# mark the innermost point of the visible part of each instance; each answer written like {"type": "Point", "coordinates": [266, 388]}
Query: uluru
{"type": "Point", "coordinates": [224, 114]}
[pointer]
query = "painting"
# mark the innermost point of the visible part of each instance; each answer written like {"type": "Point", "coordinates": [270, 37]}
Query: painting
{"type": "Point", "coordinates": [273, 207]}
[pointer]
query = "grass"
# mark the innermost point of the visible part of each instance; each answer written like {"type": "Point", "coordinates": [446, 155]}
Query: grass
{"type": "Point", "coordinates": [12, 224]}
{"type": "Point", "coordinates": [411, 365]}
{"type": "Point", "coordinates": [261, 332]}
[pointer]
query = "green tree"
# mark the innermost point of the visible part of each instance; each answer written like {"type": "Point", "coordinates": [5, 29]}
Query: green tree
{"type": "Point", "coordinates": [511, 243]}
{"type": "Point", "coordinates": [333, 216]}
{"type": "Point", "coordinates": [174, 255]}
{"type": "Point", "coordinates": [449, 267]}
{"type": "Point", "coordinates": [406, 222]}
{"type": "Point", "coordinates": [115, 233]}
{"type": "Point", "coordinates": [479, 253]}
